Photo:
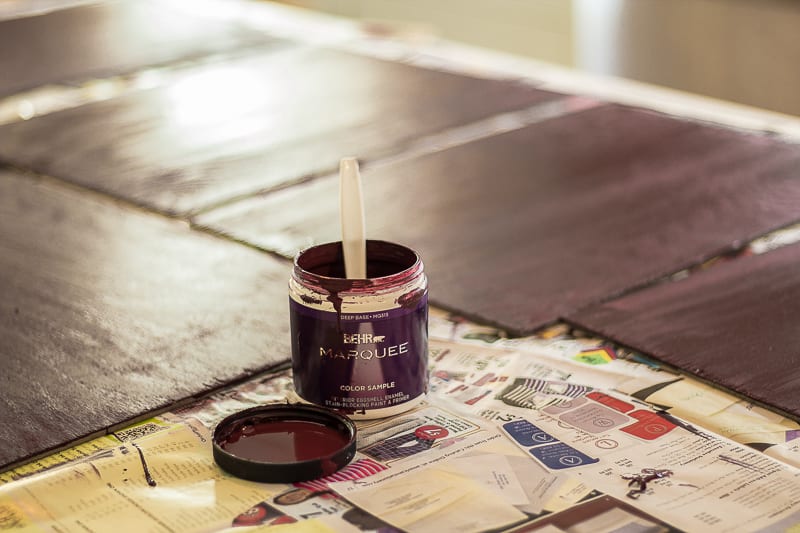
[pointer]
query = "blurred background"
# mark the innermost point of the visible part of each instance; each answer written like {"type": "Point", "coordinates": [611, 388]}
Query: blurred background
{"type": "Point", "coordinates": [746, 51]}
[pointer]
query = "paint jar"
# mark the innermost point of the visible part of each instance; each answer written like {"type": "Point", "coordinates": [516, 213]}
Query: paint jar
{"type": "Point", "coordinates": [360, 346]}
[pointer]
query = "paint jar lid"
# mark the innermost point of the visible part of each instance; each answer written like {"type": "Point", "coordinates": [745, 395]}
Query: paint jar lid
{"type": "Point", "coordinates": [284, 443]}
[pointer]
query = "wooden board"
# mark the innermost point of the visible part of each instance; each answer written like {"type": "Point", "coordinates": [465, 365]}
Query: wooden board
{"type": "Point", "coordinates": [107, 314]}
{"type": "Point", "coordinates": [111, 38]}
{"type": "Point", "coordinates": [735, 325]}
{"type": "Point", "coordinates": [234, 128]}
{"type": "Point", "coordinates": [522, 228]}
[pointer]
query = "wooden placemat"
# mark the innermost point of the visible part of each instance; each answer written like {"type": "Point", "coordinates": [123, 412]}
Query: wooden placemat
{"type": "Point", "coordinates": [108, 313]}
{"type": "Point", "coordinates": [231, 129]}
{"type": "Point", "coordinates": [522, 228]}
{"type": "Point", "coordinates": [734, 324]}
{"type": "Point", "coordinates": [100, 40]}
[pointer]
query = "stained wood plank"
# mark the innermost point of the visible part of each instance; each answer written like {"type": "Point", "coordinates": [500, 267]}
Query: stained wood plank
{"type": "Point", "coordinates": [232, 129]}
{"type": "Point", "coordinates": [111, 38]}
{"type": "Point", "coordinates": [735, 325]}
{"type": "Point", "coordinates": [522, 228]}
{"type": "Point", "coordinates": [108, 313]}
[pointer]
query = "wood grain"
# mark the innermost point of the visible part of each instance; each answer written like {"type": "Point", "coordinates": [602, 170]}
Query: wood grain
{"type": "Point", "coordinates": [234, 128]}
{"type": "Point", "coordinates": [111, 38]}
{"type": "Point", "coordinates": [107, 314]}
{"type": "Point", "coordinates": [735, 325]}
{"type": "Point", "coordinates": [522, 228]}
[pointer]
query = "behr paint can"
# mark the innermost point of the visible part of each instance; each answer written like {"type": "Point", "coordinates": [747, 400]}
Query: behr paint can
{"type": "Point", "coordinates": [360, 346]}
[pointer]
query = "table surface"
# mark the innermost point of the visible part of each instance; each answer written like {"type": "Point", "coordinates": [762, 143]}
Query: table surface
{"type": "Point", "coordinates": [151, 199]}
{"type": "Point", "coordinates": [522, 228]}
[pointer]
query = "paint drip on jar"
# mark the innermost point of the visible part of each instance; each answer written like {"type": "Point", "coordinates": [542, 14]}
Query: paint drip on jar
{"type": "Point", "coordinates": [360, 346]}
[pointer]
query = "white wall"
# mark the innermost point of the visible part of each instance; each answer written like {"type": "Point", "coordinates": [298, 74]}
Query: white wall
{"type": "Point", "coordinates": [746, 51]}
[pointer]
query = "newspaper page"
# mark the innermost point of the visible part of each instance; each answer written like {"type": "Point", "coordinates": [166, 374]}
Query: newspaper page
{"type": "Point", "coordinates": [165, 482]}
{"type": "Point", "coordinates": [472, 480]}
{"type": "Point", "coordinates": [509, 438]}
{"type": "Point", "coordinates": [611, 367]}
{"type": "Point", "coordinates": [600, 435]}
{"type": "Point", "coordinates": [169, 482]}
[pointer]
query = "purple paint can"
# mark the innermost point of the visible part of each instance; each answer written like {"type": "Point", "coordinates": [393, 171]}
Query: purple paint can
{"type": "Point", "coordinates": [360, 346]}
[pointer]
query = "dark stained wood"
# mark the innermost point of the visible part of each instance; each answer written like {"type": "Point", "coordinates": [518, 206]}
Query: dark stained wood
{"type": "Point", "coordinates": [735, 324]}
{"type": "Point", "coordinates": [235, 128]}
{"type": "Point", "coordinates": [107, 313]}
{"type": "Point", "coordinates": [522, 228]}
{"type": "Point", "coordinates": [112, 38]}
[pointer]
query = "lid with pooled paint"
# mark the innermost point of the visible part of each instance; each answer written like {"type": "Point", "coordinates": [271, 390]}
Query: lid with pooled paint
{"type": "Point", "coordinates": [284, 443]}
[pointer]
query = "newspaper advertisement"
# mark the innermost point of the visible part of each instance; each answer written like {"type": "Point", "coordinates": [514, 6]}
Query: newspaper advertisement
{"type": "Point", "coordinates": [575, 438]}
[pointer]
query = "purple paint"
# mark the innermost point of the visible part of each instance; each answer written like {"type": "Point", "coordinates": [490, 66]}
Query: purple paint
{"type": "Point", "coordinates": [284, 441]}
{"type": "Point", "coordinates": [360, 346]}
{"type": "Point", "coordinates": [147, 475]}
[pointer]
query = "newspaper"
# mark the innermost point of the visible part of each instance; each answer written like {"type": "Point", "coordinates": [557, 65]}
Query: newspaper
{"type": "Point", "coordinates": [557, 432]}
{"type": "Point", "coordinates": [618, 369]}
{"type": "Point", "coordinates": [573, 434]}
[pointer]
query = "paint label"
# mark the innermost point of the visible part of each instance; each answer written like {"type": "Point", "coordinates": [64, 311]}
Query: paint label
{"type": "Point", "coordinates": [357, 362]}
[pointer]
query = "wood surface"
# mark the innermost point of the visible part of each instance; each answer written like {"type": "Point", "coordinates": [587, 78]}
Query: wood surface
{"type": "Point", "coordinates": [735, 325]}
{"type": "Point", "coordinates": [522, 228]}
{"type": "Point", "coordinates": [107, 313]}
{"type": "Point", "coordinates": [231, 129]}
{"type": "Point", "coordinates": [111, 38]}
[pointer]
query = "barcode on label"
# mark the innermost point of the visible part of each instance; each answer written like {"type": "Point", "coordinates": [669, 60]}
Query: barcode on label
{"type": "Point", "coordinates": [138, 432]}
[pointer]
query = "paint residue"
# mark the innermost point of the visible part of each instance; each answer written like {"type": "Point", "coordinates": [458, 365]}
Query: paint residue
{"type": "Point", "coordinates": [147, 476]}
